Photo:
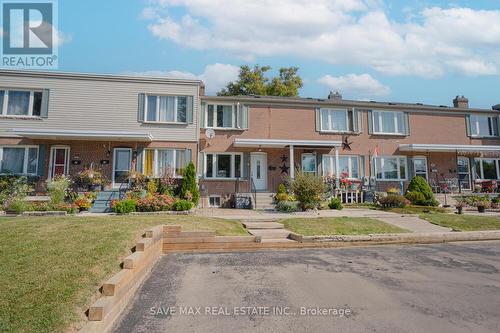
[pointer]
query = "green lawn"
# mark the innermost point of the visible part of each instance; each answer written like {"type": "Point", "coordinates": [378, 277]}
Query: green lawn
{"type": "Point", "coordinates": [51, 267]}
{"type": "Point", "coordinates": [325, 226]}
{"type": "Point", "coordinates": [416, 210]}
{"type": "Point", "coordinates": [464, 222]}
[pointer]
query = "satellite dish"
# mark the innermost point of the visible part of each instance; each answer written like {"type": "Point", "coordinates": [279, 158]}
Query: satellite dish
{"type": "Point", "coordinates": [210, 133]}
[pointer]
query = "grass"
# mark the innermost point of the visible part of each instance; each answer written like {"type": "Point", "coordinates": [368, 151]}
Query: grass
{"type": "Point", "coordinates": [52, 267]}
{"type": "Point", "coordinates": [416, 210]}
{"type": "Point", "coordinates": [325, 226]}
{"type": "Point", "coordinates": [464, 222]}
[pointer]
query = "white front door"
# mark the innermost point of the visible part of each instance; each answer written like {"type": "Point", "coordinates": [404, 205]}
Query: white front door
{"type": "Point", "coordinates": [59, 161]}
{"type": "Point", "coordinates": [122, 162]}
{"type": "Point", "coordinates": [259, 170]}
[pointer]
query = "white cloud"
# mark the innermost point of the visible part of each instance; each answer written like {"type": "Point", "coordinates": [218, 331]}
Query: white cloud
{"type": "Point", "coordinates": [428, 43]}
{"type": "Point", "coordinates": [363, 85]}
{"type": "Point", "coordinates": [215, 76]}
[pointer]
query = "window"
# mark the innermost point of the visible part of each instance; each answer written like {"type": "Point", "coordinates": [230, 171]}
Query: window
{"type": "Point", "coordinates": [226, 165]}
{"type": "Point", "coordinates": [333, 120]}
{"type": "Point", "coordinates": [483, 126]}
{"type": "Point", "coordinates": [389, 122]}
{"type": "Point", "coordinates": [348, 165]}
{"type": "Point", "coordinates": [221, 116]}
{"type": "Point", "coordinates": [390, 168]}
{"type": "Point", "coordinates": [161, 162]}
{"type": "Point", "coordinates": [420, 167]}
{"type": "Point", "coordinates": [20, 103]}
{"type": "Point", "coordinates": [214, 201]}
{"type": "Point", "coordinates": [486, 168]}
{"type": "Point", "coordinates": [166, 109]}
{"type": "Point", "coordinates": [309, 163]}
{"type": "Point", "coordinates": [18, 159]}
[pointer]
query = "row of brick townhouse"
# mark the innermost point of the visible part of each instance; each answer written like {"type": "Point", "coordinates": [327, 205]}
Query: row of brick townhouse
{"type": "Point", "coordinates": [61, 123]}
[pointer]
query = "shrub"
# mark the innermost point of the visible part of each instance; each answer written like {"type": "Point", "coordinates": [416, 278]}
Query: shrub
{"type": "Point", "coordinates": [335, 203]}
{"type": "Point", "coordinates": [189, 184]}
{"type": "Point", "coordinates": [167, 184]}
{"type": "Point", "coordinates": [181, 205]}
{"type": "Point", "coordinates": [392, 190]}
{"type": "Point", "coordinates": [83, 203]}
{"type": "Point", "coordinates": [307, 189]}
{"type": "Point", "coordinates": [89, 177]}
{"type": "Point", "coordinates": [287, 206]}
{"type": "Point", "coordinates": [392, 200]}
{"type": "Point", "coordinates": [281, 188]}
{"type": "Point", "coordinates": [57, 188]}
{"type": "Point", "coordinates": [419, 184]}
{"type": "Point", "coordinates": [281, 197]}
{"type": "Point", "coordinates": [416, 198]}
{"type": "Point", "coordinates": [155, 203]}
{"type": "Point", "coordinates": [152, 187]}
{"type": "Point", "coordinates": [16, 205]}
{"type": "Point", "coordinates": [123, 206]}
{"type": "Point", "coordinates": [14, 187]}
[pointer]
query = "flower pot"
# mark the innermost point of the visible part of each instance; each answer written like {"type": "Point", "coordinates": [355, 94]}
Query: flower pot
{"type": "Point", "coordinates": [481, 209]}
{"type": "Point", "coordinates": [460, 210]}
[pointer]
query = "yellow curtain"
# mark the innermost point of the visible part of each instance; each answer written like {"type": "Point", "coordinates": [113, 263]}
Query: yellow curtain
{"type": "Point", "coordinates": [148, 163]}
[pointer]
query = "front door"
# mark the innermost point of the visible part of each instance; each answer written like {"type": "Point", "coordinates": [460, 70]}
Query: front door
{"type": "Point", "coordinates": [59, 161]}
{"type": "Point", "coordinates": [463, 169]}
{"type": "Point", "coordinates": [259, 170]}
{"type": "Point", "coordinates": [122, 162]}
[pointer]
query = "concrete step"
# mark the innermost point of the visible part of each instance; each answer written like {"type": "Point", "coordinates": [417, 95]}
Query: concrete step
{"type": "Point", "coordinates": [263, 225]}
{"type": "Point", "coordinates": [278, 240]}
{"type": "Point", "coordinates": [270, 233]}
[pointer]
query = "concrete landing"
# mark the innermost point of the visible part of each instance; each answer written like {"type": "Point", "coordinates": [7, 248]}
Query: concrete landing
{"type": "Point", "coordinates": [263, 225]}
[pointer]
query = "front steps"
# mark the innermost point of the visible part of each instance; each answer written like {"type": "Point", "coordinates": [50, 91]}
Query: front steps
{"type": "Point", "coordinates": [102, 203]}
{"type": "Point", "coordinates": [265, 200]}
{"type": "Point", "coordinates": [269, 231]}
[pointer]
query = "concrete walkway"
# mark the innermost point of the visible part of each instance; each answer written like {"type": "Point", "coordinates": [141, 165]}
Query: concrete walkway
{"type": "Point", "coordinates": [409, 222]}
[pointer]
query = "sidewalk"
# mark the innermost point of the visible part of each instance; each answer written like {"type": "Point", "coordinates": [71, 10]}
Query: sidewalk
{"type": "Point", "coordinates": [409, 222]}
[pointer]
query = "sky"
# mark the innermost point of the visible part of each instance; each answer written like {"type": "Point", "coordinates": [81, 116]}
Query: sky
{"type": "Point", "coordinates": [401, 51]}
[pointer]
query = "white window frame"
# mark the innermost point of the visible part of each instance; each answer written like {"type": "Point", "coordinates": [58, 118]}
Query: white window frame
{"type": "Point", "coordinates": [51, 161]}
{"type": "Point", "coordinates": [378, 118]}
{"type": "Point", "coordinates": [3, 111]}
{"type": "Point", "coordinates": [214, 166]}
{"type": "Point", "coordinates": [155, 160]}
{"type": "Point", "coordinates": [481, 168]}
{"type": "Point", "coordinates": [157, 117]}
{"type": "Point", "coordinates": [26, 155]}
{"type": "Point", "coordinates": [415, 170]}
{"type": "Point", "coordinates": [215, 197]}
{"type": "Point", "coordinates": [474, 124]}
{"type": "Point", "coordinates": [234, 112]}
{"type": "Point", "coordinates": [398, 161]}
{"type": "Point", "coordinates": [331, 162]}
{"type": "Point", "coordinates": [330, 111]}
{"type": "Point", "coordinates": [302, 163]}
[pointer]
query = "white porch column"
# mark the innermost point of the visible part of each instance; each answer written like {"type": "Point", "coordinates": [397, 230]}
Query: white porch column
{"type": "Point", "coordinates": [292, 162]}
{"type": "Point", "coordinates": [337, 168]}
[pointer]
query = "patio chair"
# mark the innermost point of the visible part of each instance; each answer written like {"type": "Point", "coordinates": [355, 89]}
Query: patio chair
{"type": "Point", "coordinates": [434, 186]}
{"type": "Point", "coordinates": [453, 184]}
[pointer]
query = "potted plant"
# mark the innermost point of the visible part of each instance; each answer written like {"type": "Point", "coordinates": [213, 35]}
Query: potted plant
{"type": "Point", "coordinates": [495, 202]}
{"type": "Point", "coordinates": [460, 206]}
{"type": "Point", "coordinates": [482, 205]}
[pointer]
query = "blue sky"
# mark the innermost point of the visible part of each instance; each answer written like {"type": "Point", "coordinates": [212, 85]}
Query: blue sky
{"type": "Point", "coordinates": [409, 51]}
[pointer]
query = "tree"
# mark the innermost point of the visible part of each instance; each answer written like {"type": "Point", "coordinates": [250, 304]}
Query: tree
{"type": "Point", "coordinates": [252, 81]}
{"type": "Point", "coordinates": [189, 188]}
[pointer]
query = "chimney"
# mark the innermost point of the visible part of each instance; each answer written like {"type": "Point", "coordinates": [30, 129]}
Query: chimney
{"type": "Point", "coordinates": [202, 89]}
{"type": "Point", "coordinates": [461, 102]}
{"type": "Point", "coordinates": [496, 107]}
{"type": "Point", "coordinates": [336, 96]}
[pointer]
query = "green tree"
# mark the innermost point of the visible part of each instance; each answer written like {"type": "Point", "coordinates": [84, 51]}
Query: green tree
{"type": "Point", "coordinates": [252, 81]}
{"type": "Point", "coordinates": [189, 188]}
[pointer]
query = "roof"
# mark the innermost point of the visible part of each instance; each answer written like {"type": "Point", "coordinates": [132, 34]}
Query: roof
{"type": "Point", "coordinates": [101, 77]}
{"type": "Point", "coordinates": [318, 102]}
{"type": "Point", "coordinates": [57, 134]}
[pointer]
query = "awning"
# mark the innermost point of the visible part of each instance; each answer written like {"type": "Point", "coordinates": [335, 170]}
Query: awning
{"type": "Point", "coordinates": [447, 148]}
{"type": "Point", "coordinates": [277, 143]}
{"type": "Point", "coordinates": [52, 134]}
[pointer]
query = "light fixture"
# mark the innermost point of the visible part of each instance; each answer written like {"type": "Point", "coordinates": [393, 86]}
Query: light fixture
{"type": "Point", "coordinates": [260, 148]}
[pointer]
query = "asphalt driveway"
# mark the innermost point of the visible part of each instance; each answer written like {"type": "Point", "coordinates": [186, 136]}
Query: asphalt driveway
{"type": "Point", "coordinates": [427, 288]}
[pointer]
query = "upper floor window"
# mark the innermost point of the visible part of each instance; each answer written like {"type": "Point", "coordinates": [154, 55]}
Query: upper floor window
{"type": "Point", "coordinates": [226, 165]}
{"type": "Point", "coordinates": [21, 103]}
{"type": "Point", "coordinates": [18, 159]}
{"type": "Point", "coordinates": [161, 162]}
{"type": "Point", "coordinates": [335, 120]}
{"type": "Point", "coordinates": [390, 168]}
{"type": "Point", "coordinates": [483, 125]}
{"type": "Point", "coordinates": [166, 109]}
{"type": "Point", "coordinates": [221, 116]}
{"type": "Point", "coordinates": [389, 122]}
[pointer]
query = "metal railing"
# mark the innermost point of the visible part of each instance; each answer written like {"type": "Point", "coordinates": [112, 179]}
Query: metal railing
{"type": "Point", "coordinates": [253, 189]}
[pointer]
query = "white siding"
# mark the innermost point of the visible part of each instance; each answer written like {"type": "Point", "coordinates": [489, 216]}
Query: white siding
{"type": "Point", "coordinates": [101, 105]}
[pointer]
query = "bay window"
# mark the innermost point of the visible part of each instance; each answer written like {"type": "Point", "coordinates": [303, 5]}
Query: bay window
{"type": "Point", "coordinates": [21, 103]}
{"type": "Point", "coordinates": [18, 160]}
{"type": "Point", "coordinates": [389, 122]}
{"type": "Point", "coordinates": [486, 168]}
{"type": "Point", "coordinates": [390, 168]}
{"type": "Point", "coordinates": [348, 166]}
{"type": "Point", "coordinates": [483, 126]}
{"type": "Point", "coordinates": [166, 109]}
{"type": "Point", "coordinates": [221, 116]}
{"type": "Point", "coordinates": [223, 165]}
{"type": "Point", "coordinates": [161, 162]}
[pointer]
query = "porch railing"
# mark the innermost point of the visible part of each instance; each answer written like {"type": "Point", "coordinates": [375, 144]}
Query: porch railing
{"type": "Point", "coordinates": [253, 189]}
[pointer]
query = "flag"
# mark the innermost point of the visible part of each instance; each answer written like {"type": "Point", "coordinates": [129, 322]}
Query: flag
{"type": "Point", "coordinates": [375, 152]}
